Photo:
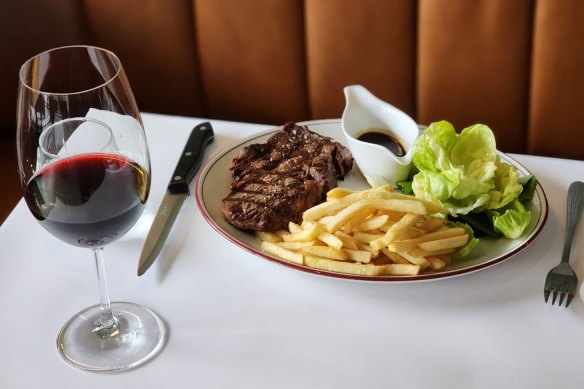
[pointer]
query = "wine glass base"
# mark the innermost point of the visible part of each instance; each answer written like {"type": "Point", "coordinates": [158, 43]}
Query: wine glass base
{"type": "Point", "coordinates": [140, 337]}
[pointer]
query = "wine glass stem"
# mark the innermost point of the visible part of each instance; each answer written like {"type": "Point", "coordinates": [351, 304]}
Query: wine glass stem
{"type": "Point", "coordinates": [107, 325]}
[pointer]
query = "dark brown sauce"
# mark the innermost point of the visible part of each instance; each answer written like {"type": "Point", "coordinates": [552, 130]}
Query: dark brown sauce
{"type": "Point", "coordinates": [382, 138]}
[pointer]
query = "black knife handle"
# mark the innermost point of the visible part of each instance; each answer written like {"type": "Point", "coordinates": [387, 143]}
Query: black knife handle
{"type": "Point", "coordinates": [191, 158]}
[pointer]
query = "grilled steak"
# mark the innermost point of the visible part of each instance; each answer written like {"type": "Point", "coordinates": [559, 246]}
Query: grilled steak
{"type": "Point", "coordinates": [275, 182]}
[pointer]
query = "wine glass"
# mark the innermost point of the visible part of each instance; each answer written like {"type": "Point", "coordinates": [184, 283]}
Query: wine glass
{"type": "Point", "coordinates": [85, 171]}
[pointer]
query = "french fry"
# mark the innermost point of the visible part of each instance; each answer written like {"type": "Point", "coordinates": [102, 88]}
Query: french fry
{"type": "Point", "coordinates": [394, 216]}
{"type": "Point", "coordinates": [375, 232]}
{"type": "Point", "coordinates": [281, 233]}
{"type": "Point", "coordinates": [403, 245]}
{"type": "Point", "coordinates": [295, 246]}
{"type": "Point", "coordinates": [269, 236]}
{"type": "Point", "coordinates": [330, 207]}
{"type": "Point", "coordinates": [330, 239]}
{"type": "Point", "coordinates": [372, 223]}
{"type": "Point", "coordinates": [294, 228]}
{"type": "Point", "coordinates": [409, 244]}
{"type": "Point", "coordinates": [325, 252]}
{"type": "Point", "coordinates": [325, 219]}
{"type": "Point", "coordinates": [288, 255]}
{"type": "Point", "coordinates": [367, 237]}
{"type": "Point", "coordinates": [323, 236]}
{"type": "Point", "coordinates": [304, 235]}
{"type": "Point", "coordinates": [362, 256]}
{"type": "Point", "coordinates": [337, 193]}
{"type": "Point", "coordinates": [342, 267]}
{"type": "Point", "coordinates": [361, 269]}
{"type": "Point", "coordinates": [366, 247]}
{"type": "Point", "coordinates": [355, 220]}
{"type": "Point", "coordinates": [395, 257]}
{"type": "Point", "coordinates": [420, 252]}
{"type": "Point", "coordinates": [406, 222]}
{"type": "Point", "coordinates": [348, 241]}
{"type": "Point", "coordinates": [436, 263]}
{"type": "Point", "coordinates": [410, 233]}
{"type": "Point", "coordinates": [405, 234]}
{"type": "Point", "coordinates": [412, 206]}
{"type": "Point", "coordinates": [387, 225]}
{"type": "Point", "coordinates": [446, 258]}
{"type": "Point", "coordinates": [335, 205]}
{"type": "Point", "coordinates": [421, 261]}
{"type": "Point", "coordinates": [395, 269]}
{"type": "Point", "coordinates": [430, 224]}
{"type": "Point", "coordinates": [445, 243]}
{"type": "Point", "coordinates": [379, 243]}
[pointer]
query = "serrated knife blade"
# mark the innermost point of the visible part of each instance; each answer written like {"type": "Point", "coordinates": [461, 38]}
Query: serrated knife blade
{"type": "Point", "coordinates": [176, 192]}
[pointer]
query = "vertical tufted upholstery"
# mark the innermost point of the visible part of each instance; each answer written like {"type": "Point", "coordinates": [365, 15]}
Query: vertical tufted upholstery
{"type": "Point", "coordinates": [157, 46]}
{"type": "Point", "coordinates": [474, 65]}
{"type": "Point", "coordinates": [556, 106]}
{"type": "Point", "coordinates": [372, 42]}
{"type": "Point", "coordinates": [252, 55]}
{"type": "Point", "coordinates": [517, 66]}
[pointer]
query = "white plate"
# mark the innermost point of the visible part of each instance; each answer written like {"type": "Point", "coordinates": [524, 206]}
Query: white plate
{"type": "Point", "coordinates": [214, 180]}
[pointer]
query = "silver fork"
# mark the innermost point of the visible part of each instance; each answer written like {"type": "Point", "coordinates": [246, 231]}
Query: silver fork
{"type": "Point", "coordinates": [562, 279]}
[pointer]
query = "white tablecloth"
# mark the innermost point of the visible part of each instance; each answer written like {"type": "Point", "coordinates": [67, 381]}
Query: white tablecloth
{"type": "Point", "coordinates": [238, 321]}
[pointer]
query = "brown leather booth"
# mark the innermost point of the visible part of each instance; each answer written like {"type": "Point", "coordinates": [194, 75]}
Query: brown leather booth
{"type": "Point", "coordinates": [516, 65]}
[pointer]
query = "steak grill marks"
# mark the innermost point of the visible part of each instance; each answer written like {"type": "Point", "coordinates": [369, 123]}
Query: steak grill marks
{"type": "Point", "coordinates": [275, 182]}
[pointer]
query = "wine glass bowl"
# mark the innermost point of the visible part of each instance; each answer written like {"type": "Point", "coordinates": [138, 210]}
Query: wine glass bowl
{"type": "Point", "coordinates": [85, 172]}
{"type": "Point", "coordinates": [85, 192]}
{"type": "Point", "coordinates": [73, 136]}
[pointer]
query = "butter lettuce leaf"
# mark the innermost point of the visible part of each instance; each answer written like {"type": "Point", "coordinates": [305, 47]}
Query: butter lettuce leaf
{"type": "Point", "coordinates": [465, 174]}
{"type": "Point", "coordinates": [513, 221]}
{"type": "Point", "coordinates": [507, 187]}
{"type": "Point", "coordinates": [432, 151]}
{"type": "Point", "coordinates": [458, 170]}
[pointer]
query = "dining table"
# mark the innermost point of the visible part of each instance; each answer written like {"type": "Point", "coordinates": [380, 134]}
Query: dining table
{"type": "Point", "coordinates": [238, 320]}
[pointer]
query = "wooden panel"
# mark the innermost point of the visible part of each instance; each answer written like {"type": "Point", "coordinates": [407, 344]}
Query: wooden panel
{"type": "Point", "coordinates": [474, 61]}
{"type": "Point", "coordinates": [252, 59]}
{"type": "Point", "coordinates": [155, 42]}
{"type": "Point", "coordinates": [368, 42]}
{"type": "Point", "coordinates": [557, 100]}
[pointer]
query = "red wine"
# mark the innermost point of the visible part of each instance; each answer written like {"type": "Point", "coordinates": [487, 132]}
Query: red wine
{"type": "Point", "coordinates": [88, 200]}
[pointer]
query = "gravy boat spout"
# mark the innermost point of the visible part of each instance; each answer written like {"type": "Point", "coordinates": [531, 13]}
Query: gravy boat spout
{"type": "Point", "coordinates": [365, 113]}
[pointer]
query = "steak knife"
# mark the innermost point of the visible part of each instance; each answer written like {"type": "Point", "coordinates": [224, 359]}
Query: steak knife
{"type": "Point", "coordinates": [176, 192]}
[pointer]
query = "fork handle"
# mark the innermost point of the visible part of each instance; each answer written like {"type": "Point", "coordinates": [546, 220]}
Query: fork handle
{"type": "Point", "coordinates": [575, 202]}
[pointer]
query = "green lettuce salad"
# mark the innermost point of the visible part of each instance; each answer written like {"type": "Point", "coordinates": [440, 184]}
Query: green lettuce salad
{"type": "Point", "coordinates": [464, 173]}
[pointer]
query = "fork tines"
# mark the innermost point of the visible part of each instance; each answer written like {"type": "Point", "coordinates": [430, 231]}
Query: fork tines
{"type": "Point", "coordinates": [564, 293]}
{"type": "Point", "coordinates": [560, 280]}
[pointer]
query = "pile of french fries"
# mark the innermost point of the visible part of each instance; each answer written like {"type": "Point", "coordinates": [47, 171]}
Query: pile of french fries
{"type": "Point", "coordinates": [374, 232]}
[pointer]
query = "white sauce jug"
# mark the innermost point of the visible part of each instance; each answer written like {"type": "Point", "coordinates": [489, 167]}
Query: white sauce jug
{"type": "Point", "coordinates": [365, 111]}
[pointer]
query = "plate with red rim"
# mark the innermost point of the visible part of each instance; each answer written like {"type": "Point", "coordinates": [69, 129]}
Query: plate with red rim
{"type": "Point", "coordinates": [213, 185]}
